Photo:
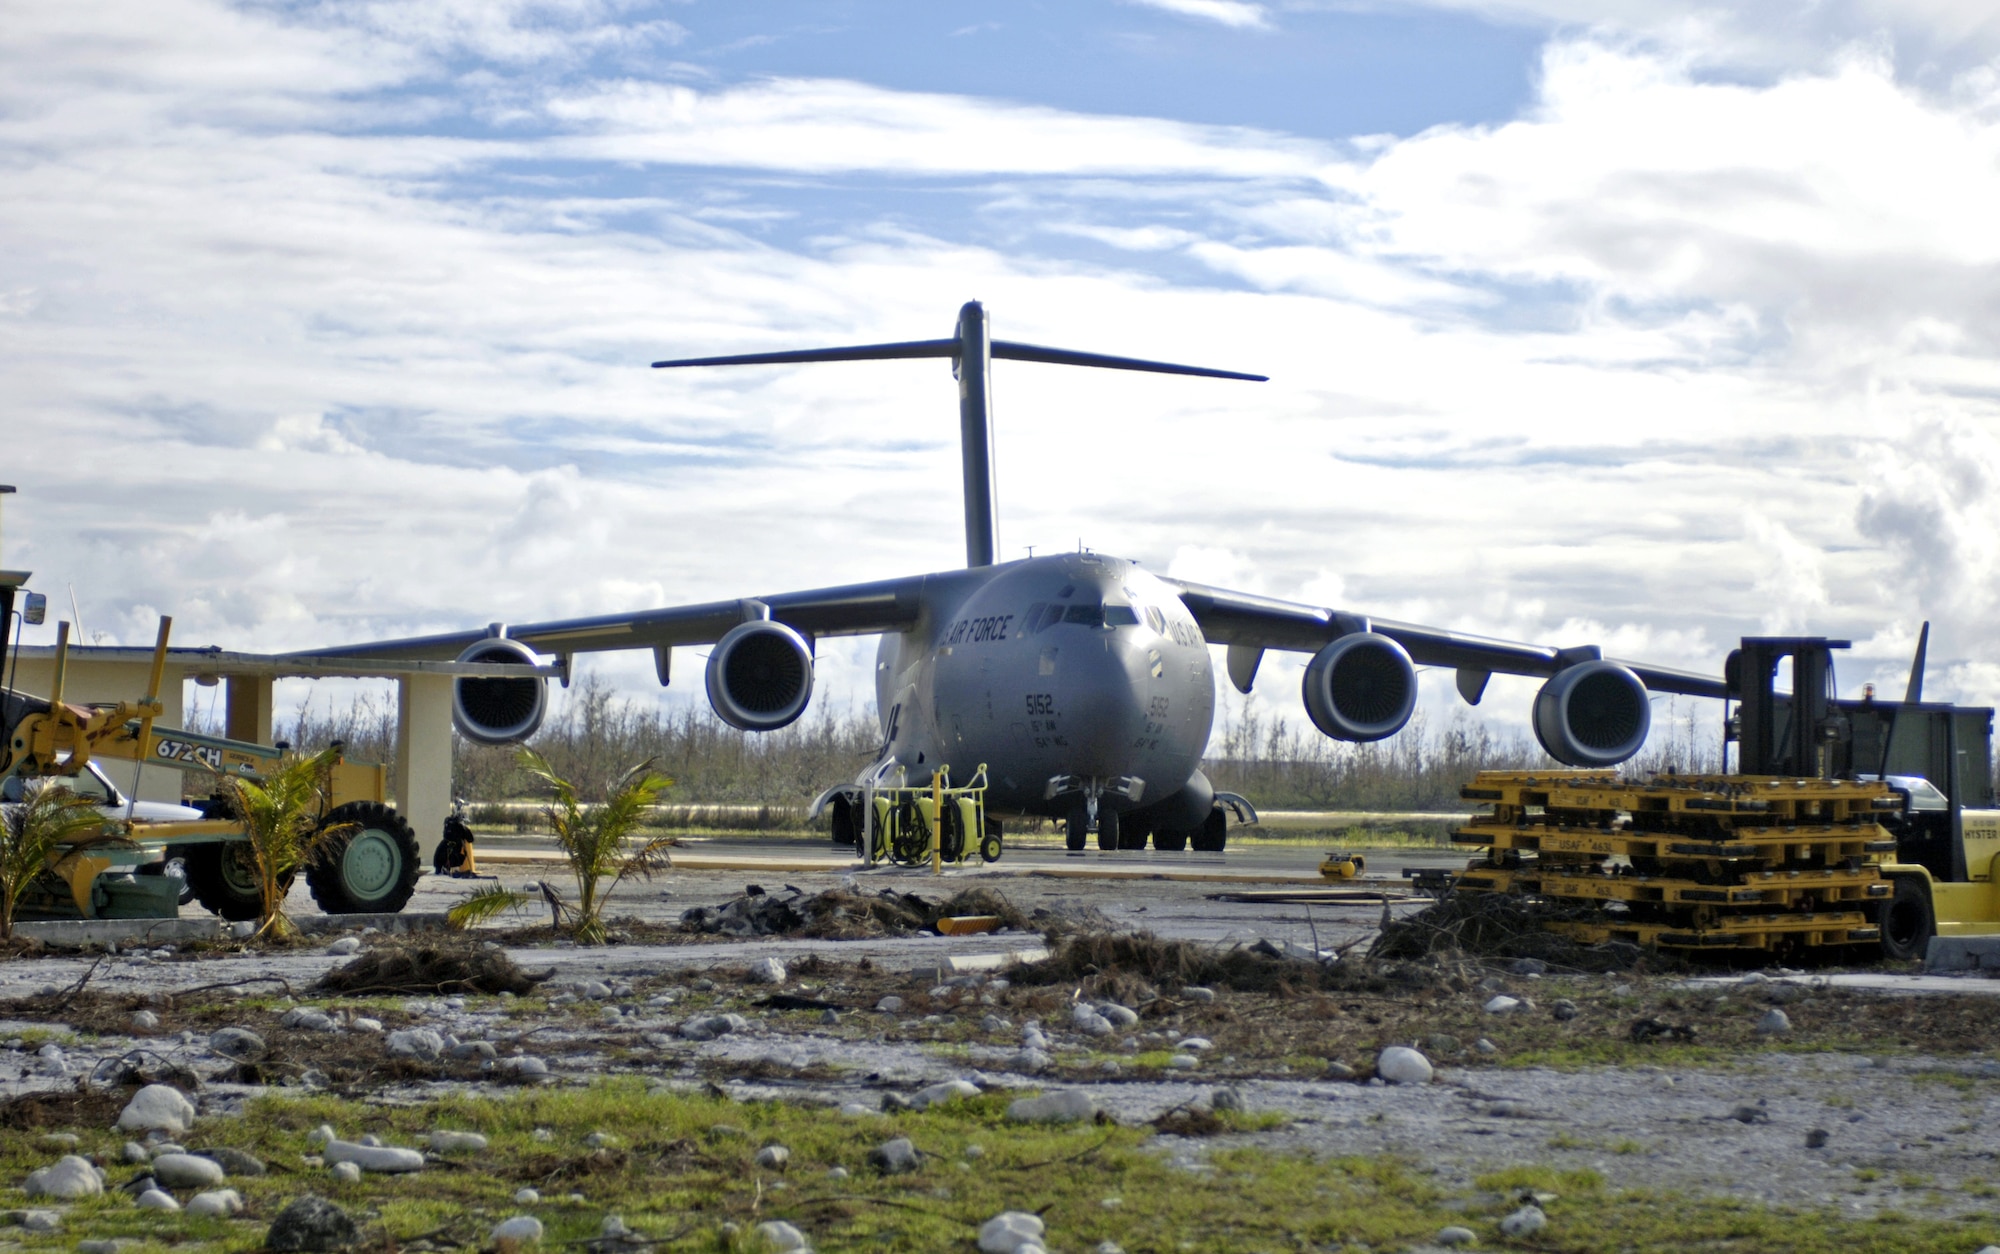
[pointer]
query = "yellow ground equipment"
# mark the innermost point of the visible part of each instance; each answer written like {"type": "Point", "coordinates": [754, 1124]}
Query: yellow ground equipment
{"type": "Point", "coordinates": [369, 866]}
{"type": "Point", "coordinates": [1341, 865]}
{"type": "Point", "coordinates": [1694, 862]}
{"type": "Point", "coordinates": [921, 823]}
{"type": "Point", "coordinates": [1836, 834]}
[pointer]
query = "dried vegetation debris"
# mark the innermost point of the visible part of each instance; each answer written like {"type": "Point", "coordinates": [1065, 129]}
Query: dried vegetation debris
{"type": "Point", "coordinates": [1503, 926]}
{"type": "Point", "coordinates": [850, 914]}
{"type": "Point", "coordinates": [430, 969]}
{"type": "Point", "coordinates": [1106, 961]}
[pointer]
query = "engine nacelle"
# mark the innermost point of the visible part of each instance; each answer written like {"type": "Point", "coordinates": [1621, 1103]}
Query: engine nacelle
{"type": "Point", "coordinates": [1593, 714]}
{"type": "Point", "coordinates": [760, 676]}
{"type": "Point", "coordinates": [1361, 687]}
{"type": "Point", "coordinates": [498, 711]}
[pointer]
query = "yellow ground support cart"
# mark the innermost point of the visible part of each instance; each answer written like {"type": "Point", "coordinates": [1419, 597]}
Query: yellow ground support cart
{"type": "Point", "coordinates": [937, 822]}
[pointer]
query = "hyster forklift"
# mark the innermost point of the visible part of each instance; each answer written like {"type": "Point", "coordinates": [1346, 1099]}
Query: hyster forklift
{"type": "Point", "coordinates": [1847, 823]}
{"type": "Point", "coordinates": [369, 865]}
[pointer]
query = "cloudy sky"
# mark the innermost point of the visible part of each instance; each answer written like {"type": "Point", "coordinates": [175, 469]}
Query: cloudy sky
{"type": "Point", "coordinates": [1650, 324]}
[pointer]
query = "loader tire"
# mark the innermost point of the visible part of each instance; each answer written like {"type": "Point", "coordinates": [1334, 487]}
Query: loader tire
{"type": "Point", "coordinates": [1908, 920]}
{"type": "Point", "coordinates": [223, 878]}
{"type": "Point", "coordinates": [370, 869]}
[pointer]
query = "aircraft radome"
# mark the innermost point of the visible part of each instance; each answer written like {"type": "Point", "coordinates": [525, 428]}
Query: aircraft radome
{"type": "Point", "coordinates": [1082, 681]}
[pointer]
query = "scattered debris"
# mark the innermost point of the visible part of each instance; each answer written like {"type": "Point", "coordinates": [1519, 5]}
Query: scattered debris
{"type": "Point", "coordinates": [1645, 1030]}
{"type": "Point", "coordinates": [1501, 925]}
{"type": "Point", "coordinates": [430, 969]}
{"type": "Point", "coordinates": [847, 914]}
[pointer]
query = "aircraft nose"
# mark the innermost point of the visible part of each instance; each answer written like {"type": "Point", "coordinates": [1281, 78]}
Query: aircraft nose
{"type": "Point", "coordinates": [1107, 689]}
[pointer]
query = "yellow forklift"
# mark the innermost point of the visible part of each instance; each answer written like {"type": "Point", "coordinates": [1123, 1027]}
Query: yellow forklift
{"type": "Point", "coordinates": [370, 867]}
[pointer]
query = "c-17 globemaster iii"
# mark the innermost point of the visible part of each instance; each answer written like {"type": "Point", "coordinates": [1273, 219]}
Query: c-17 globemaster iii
{"type": "Point", "coordinates": [1082, 682]}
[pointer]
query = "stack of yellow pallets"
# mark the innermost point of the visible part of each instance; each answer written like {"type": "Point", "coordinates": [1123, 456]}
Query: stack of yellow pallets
{"type": "Point", "coordinates": [1690, 861]}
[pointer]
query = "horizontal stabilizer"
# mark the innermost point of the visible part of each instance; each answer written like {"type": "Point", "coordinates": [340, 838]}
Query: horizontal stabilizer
{"type": "Point", "coordinates": [1012, 350]}
{"type": "Point", "coordinates": [857, 352]}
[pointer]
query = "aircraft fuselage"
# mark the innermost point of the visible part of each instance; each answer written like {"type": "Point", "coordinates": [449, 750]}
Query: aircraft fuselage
{"type": "Point", "coordinates": [1064, 675]}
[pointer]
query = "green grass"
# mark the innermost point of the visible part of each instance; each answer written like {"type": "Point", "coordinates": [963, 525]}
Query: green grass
{"type": "Point", "coordinates": [681, 1167]}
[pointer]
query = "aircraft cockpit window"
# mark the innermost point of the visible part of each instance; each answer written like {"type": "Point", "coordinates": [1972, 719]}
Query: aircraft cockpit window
{"type": "Point", "coordinates": [1085, 615]}
{"type": "Point", "coordinates": [1120, 616]}
{"type": "Point", "coordinates": [1050, 617]}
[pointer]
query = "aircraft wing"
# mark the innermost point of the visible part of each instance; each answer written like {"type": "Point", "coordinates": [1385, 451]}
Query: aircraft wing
{"type": "Point", "coordinates": [854, 610]}
{"type": "Point", "coordinates": [1248, 622]}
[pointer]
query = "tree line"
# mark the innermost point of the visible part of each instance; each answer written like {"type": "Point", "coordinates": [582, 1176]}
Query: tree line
{"type": "Point", "coordinates": [1279, 763]}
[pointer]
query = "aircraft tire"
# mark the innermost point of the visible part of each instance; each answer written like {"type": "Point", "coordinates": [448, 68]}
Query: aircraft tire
{"type": "Point", "coordinates": [1213, 834]}
{"type": "Point", "coordinates": [843, 828]}
{"type": "Point", "coordinates": [1908, 920]}
{"type": "Point", "coordinates": [1169, 842]}
{"type": "Point", "coordinates": [1107, 830]}
{"type": "Point", "coordinates": [1132, 834]}
{"type": "Point", "coordinates": [370, 869]}
{"type": "Point", "coordinates": [1076, 829]}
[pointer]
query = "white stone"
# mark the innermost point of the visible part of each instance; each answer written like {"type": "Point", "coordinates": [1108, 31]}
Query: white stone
{"type": "Point", "coordinates": [778, 1236]}
{"type": "Point", "coordinates": [773, 1157]}
{"type": "Point", "coordinates": [157, 1107]}
{"type": "Point", "coordinates": [344, 946]}
{"type": "Point", "coordinates": [1196, 1044]}
{"type": "Point", "coordinates": [153, 1199]}
{"type": "Point", "coordinates": [382, 1158]}
{"type": "Point", "coordinates": [347, 1173]}
{"type": "Point", "coordinates": [939, 1094]}
{"type": "Point", "coordinates": [453, 1142]}
{"type": "Point", "coordinates": [767, 971]}
{"type": "Point", "coordinates": [218, 1202]}
{"type": "Point", "coordinates": [321, 1135]}
{"type": "Point", "coordinates": [1456, 1236]}
{"type": "Point", "coordinates": [419, 1043]}
{"type": "Point", "coordinates": [1399, 1064]}
{"type": "Point", "coordinates": [69, 1178]}
{"type": "Point", "coordinates": [527, 1064]}
{"type": "Point", "coordinates": [365, 1025]}
{"type": "Point", "coordinates": [1059, 1106]}
{"type": "Point", "coordinates": [526, 1197]}
{"type": "Point", "coordinates": [1120, 1016]}
{"type": "Point", "coordinates": [1009, 1231]}
{"type": "Point", "coordinates": [41, 1220]}
{"type": "Point", "coordinates": [1183, 1062]}
{"type": "Point", "coordinates": [520, 1230]}
{"type": "Point", "coordinates": [1030, 1061]}
{"type": "Point", "coordinates": [145, 1021]}
{"type": "Point", "coordinates": [1525, 1222]}
{"type": "Point", "coordinates": [186, 1171]}
{"type": "Point", "coordinates": [135, 1153]}
{"type": "Point", "coordinates": [1501, 1004]}
{"type": "Point", "coordinates": [1775, 1022]}
{"type": "Point", "coordinates": [244, 929]}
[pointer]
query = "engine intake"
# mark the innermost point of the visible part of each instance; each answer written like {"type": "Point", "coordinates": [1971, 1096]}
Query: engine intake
{"type": "Point", "coordinates": [1593, 714]}
{"type": "Point", "coordinates": [760, 676]}
{"type": "Point", "coordinates": [1361, 687]}
{"type": "Point", "coordinates": [498, 711]}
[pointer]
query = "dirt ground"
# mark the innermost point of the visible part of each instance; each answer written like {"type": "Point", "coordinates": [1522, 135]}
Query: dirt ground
{"type": "Point", "coordinates": [1653, 1077]}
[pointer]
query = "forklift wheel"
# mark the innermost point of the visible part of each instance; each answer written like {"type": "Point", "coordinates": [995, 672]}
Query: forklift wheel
{"type": "Point", "coordinates": [1908, 922]}
{"type": "Point", "coordinates": [369, 869]}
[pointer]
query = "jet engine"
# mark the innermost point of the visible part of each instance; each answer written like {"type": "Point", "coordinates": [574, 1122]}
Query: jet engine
{"type": "Point", "coordinates": [1361, 687]}
{"type": "Point", "coordinates": [498, 711]}
{"type": "Point", "coordinates": [760, 676]}
{"type": "Point", "coordinates": [1593, 714]}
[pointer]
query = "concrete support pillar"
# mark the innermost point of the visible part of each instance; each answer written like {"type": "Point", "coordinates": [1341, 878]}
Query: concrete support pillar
{"type": "Point", "coordinates": [248, 698]}
{"type": "Point", "coordinates": [423, 756]}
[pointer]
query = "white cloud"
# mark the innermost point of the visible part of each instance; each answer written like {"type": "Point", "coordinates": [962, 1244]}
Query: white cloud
{"type": "Point", "coordinates": [1238, 14]}
{"type": "Point", "coordinates": [1526, 378]}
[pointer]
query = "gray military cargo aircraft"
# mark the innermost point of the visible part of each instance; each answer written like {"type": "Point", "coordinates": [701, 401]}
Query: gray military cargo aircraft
{"type": "Point", "coordinates": [1082, 681]}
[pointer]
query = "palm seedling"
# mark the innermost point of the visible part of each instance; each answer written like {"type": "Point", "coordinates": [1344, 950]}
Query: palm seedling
{"type": "Point", "coordinates": [281, 823]}
{"type": "Point", "coordinates": [593, 841]}
{"type": "Point", "coordinates": [48, 818]}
